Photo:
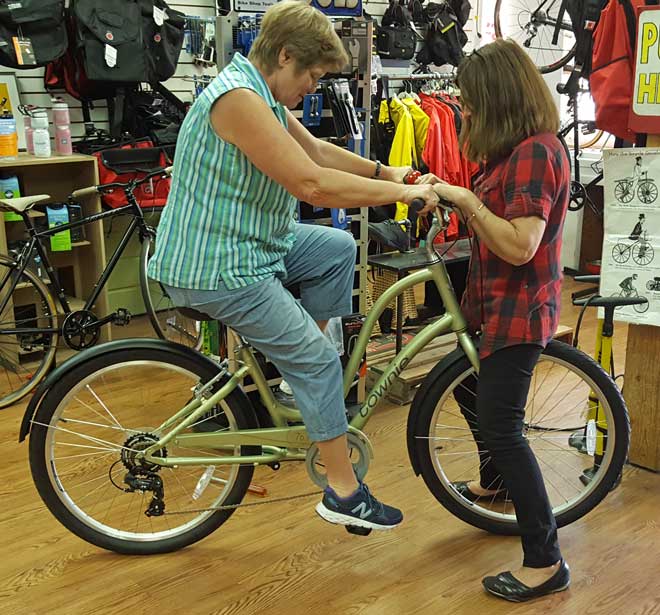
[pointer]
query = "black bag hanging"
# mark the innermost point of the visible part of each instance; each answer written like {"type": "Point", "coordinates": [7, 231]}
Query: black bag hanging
{"type": "Point", "coordinates": [41, 22]}
{"type": "Point", "coordinates": [445, 37]}
{"type": "Point", "coordinates": [110, 35]}
{"type": "Point", "coordinates": [395, 39]}
{"type": "Point", "coordinates": [162, 42]}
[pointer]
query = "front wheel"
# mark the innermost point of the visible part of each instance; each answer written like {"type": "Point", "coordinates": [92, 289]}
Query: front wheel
{"type": "Point", "coordinates": [570, 398]}
{"type": "Point", "coordinates": [86, 438]}
{"type": "Point", "coordinates": [643, 253]}
{"type": "Point", "coordinates": [29, 324]}
{"type": "Point", "coordinates": [647, 192]}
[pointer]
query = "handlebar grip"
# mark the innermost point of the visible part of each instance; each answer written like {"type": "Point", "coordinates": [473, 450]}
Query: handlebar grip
{"type": "Point", "coordinates": [417, 204]}
{"type": "Point", "coordinates": [83, 192]}
{"type": "Point", "coordinates": [592, 279]}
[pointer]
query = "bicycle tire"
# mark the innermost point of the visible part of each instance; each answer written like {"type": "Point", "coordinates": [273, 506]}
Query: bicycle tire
{"type": "Point", "coordinates": [621, 253]}
{"type": "Point", "coordinates": [27, 372]}
{"type": "Point", "coordinates": [420, 443]}
{"type": "Point", "coordinates": [503, 31]}
{"type": "Point", "coordinates": [106, 376]}
{"type": "Point", "coordinates": [643, 254]}
{"type": "Point", "coordinates": [167, 322]}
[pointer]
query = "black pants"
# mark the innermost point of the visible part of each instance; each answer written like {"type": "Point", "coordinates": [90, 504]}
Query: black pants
{"type": "Point", "coordinates": [494, 407]}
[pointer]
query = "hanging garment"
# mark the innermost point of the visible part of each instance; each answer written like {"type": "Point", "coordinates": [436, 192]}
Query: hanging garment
{"type": "Point", "coordinates": [403, 152]}
{"type": "Point", "coordinates": [420, 124]}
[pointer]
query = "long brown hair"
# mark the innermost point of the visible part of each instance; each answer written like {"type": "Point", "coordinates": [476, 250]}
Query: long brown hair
{"type": "Point", "coordinates": [506, 98]}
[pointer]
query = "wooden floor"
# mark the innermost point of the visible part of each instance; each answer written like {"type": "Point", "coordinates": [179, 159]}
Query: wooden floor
{"type": "Point", "coordinates": [281, 558]}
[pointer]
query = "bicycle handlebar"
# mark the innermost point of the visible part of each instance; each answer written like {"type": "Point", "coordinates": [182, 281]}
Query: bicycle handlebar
{"type": "Point", "coordinates": [91, 190]}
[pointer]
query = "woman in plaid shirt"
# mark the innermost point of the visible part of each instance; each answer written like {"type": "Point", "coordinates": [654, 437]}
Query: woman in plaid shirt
{"type": "Point", "coordinates": [516, 213]}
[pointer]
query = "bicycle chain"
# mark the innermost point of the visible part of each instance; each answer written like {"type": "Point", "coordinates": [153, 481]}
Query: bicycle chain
{"type": "Point", "coordinates": [249, 504]}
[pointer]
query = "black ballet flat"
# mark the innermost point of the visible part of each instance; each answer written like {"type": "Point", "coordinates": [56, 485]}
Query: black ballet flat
{"type": "Point", "coordinates": [506, 586]}
{"type": "Point", "coordinates": [463, 489]}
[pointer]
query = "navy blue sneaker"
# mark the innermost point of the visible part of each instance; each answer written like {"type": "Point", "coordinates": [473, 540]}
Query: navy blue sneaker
{"type": "Point", "coordinates": [360, 509]}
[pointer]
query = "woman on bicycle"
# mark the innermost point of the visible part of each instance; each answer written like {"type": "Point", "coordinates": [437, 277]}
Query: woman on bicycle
{"type": "Point", "coordinates": [516, 213]}
{"type": "Point", "coordinates": [228, 242]}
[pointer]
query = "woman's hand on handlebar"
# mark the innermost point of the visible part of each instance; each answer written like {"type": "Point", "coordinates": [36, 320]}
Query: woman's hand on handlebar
{"type": "Point", "coordinates": [425, 193]}
{"type": "Point", "coordinates": [429, 178]}
{"type": "Point", "coordinates": [457, 195]}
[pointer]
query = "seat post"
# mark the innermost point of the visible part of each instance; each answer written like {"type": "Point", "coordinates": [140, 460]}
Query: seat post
{"type": "Point", "coordinates": [608, 321]}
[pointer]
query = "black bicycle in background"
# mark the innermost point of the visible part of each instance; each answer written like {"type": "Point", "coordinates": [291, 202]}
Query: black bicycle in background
{"type": "Point", "coordinates": [31, 323]}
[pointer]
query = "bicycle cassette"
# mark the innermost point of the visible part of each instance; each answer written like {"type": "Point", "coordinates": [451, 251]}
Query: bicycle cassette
{"type": "Point", "coordinates": [360, 453]}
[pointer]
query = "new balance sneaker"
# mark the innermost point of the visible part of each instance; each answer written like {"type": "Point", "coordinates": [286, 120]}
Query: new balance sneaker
{"type": "Point", "coordinates": [360, 509]}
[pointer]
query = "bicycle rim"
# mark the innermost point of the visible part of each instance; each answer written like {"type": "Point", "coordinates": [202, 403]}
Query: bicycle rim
{"type": "Point", "coordinates": [167, 321]}
{"type": "Point", "coordinates": [556, 429]}
{"type": "Point", "coordinates": [91, 438]}
{"type": "Point", "coordinates": [24, 357]}
{"type": "Point", "coordinates": [515, 20]}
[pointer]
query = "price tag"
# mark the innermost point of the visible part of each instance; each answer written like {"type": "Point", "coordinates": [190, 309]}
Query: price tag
{"type": "Point", "coordinates": [110, 56]}
{"type": "Point", "coordinates": [160, 15]}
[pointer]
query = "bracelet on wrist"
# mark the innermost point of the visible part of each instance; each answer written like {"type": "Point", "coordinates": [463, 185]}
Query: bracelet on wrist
{"type": "Point", "coordinates": [379, 168]}
{"type": "Point", "coordinates": [474, 213]}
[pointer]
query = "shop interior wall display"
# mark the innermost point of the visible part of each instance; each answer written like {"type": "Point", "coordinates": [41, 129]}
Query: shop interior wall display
{"type": "Point", "coordinates": [31, 82]}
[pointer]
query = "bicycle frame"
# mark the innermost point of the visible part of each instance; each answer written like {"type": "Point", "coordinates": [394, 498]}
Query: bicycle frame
{"type": "Point", "coordinates": [35, 244]}
{"type": "Point", "coordinates": [276, 441]}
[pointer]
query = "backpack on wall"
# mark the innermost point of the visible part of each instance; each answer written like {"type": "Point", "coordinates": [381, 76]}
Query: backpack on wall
{"type": "Point", "coordinates": [613, 66]}
{"type": "Point", "coordinates": [40, 21]}
{"type": "Point", "coordinates": [445, 37]}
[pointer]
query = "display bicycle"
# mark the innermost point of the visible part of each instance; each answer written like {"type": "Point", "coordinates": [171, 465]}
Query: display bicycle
{"type": "Point", "coordinates": [603, 353]}
{"type": "Point", "coordinates": [29, 316]}
{"type": "Point", "coordinates": [645, 187]}
{"type": "Point", "coordinates": [641, 250]}
{"type": "Point", "coordinates": [146, 446]}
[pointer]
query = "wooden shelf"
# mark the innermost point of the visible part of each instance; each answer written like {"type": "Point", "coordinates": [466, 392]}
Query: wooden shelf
{"type": "Point", "coordinates": [25, 160]}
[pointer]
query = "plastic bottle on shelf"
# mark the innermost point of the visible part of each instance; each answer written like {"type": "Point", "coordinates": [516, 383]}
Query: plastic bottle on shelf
{"type": "Point", "coordinates": [63, 143]}
{"type": "Point", "coordinates": [8, 137]}
{"type": "Point", "coordinates": [62, 122]}
{"type": "Point", "coordinates": [41, 136]}
{"type": "Point", "coordinates": [29, 134]}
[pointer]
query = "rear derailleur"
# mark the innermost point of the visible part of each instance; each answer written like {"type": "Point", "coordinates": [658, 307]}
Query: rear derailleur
{"type": "Point", "coordinates": [150, 481]}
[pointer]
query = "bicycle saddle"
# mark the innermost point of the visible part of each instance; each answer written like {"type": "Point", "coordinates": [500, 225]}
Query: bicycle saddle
{"type": "Point", "coordinates": [598, 301]}
{"type": "Point", "coordinates": [22, 203]}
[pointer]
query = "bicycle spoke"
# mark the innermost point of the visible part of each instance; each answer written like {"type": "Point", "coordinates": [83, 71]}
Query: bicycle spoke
{"type": "Point", "coordinates": [98, 399]}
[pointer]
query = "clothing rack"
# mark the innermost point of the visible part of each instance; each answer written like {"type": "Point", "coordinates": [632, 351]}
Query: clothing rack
{"type": "Point", "coordinates": [419, 76]}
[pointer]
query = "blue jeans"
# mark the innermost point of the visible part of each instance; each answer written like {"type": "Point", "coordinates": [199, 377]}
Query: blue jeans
{"type": "Point", "coordinates": [322, 263]}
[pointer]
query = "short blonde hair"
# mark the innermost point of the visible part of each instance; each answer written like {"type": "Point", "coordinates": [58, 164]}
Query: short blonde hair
{"type": "Point", "coordinates": [507, 98]}
{"type": "Point", "coordinates": [306, 34]}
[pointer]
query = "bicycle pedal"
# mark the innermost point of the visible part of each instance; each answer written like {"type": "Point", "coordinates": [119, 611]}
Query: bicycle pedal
{"type": "Point", "coordinates": [357, 530]}
{"type": "Point", "coordinates": [121, 317]}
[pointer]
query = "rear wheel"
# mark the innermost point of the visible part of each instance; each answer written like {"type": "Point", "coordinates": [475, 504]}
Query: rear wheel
{"type": "Point", "coordinates": [89, 430]}
{"type": "Point", "coordinates": [576, 424]}
{"type": "Point", "coordinates": [532, 27]}
{"type": "Point", "coordinates": [167, 321]}
{"type": "Point", "coordinates": [24, 357]}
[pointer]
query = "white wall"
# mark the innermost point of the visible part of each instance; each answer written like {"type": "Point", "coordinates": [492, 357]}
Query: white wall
{"type": "Point", "coordinates": [31, 82]}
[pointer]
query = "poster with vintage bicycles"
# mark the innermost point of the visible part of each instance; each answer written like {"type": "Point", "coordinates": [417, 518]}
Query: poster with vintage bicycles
{"type": "Point", "coordinates": [631, 244]}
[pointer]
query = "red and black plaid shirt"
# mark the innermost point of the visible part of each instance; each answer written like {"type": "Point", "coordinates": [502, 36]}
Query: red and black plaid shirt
{"type": "Point", "coordinates": [520, 304]}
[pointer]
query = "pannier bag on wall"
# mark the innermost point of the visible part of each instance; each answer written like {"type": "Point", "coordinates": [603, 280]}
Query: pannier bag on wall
{"type": "Point", "coordinates": [129, 41]}
{"type": "Point", "coordinates": [31, 30]}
